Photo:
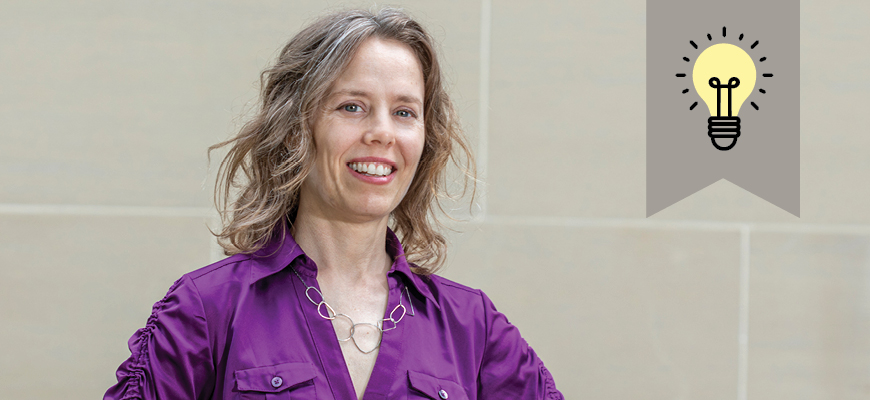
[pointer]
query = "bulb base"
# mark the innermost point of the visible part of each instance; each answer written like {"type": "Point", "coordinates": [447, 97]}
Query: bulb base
{"type": "Point", "coordinates": [723, 128]}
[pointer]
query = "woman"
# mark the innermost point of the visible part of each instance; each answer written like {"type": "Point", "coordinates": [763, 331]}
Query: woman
{"type": "Point", "coordinates": [319, 299]}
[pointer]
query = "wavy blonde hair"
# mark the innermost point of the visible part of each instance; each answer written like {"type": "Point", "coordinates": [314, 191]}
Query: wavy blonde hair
{"type": "Point", "coordinates": [273, 152]}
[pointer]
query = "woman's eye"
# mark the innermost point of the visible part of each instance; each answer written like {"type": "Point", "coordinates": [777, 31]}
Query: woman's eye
{"type": "Point", "coordinates": [351, 108]}
{"type": "Point", "coordinates": [404, 113]}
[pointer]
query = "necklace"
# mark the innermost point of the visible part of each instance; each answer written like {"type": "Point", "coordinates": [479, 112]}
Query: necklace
{"type": "Point", "coordinates": [327, 312]}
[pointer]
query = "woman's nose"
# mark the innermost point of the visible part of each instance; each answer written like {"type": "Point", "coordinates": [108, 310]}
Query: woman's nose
{"type": "Point", "coordinates": [381, 129]}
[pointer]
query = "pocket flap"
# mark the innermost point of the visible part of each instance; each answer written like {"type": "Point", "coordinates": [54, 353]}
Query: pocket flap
{"type": "Point", "coordinates": [274, 378]}
{"type": "Point", "coordinates": [436, 388]}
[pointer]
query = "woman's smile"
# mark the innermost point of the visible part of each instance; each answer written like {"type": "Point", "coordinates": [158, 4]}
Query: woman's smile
{"type": "Point", "coordinates": [374, 170]}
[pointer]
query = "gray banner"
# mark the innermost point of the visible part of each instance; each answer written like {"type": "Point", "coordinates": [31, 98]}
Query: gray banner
{"type": "Point", "coordinates": [681, 157]}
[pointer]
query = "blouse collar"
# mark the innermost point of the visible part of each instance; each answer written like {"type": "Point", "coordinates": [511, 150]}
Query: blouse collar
{"type": "Point", "coordinates": [282, 250]}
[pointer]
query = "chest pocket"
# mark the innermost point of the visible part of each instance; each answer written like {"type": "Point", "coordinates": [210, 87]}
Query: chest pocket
{"type": "Point", "coordinates": [277, 382]}
{"type": "Point", "coordinates": [425, 386]}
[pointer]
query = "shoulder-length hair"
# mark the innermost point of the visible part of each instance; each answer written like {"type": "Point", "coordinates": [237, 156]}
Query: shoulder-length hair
{"type": "Point", "coordinates": [273, 153]}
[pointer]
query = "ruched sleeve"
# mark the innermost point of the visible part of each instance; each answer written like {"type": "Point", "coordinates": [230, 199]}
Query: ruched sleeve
{"type": "Point", "coordinates": [510, 369]}
{"type": "Point", "coordinates": [170, 357]}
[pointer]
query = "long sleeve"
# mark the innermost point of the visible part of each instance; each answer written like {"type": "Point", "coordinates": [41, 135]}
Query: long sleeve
{"type": "Point", "coordinates": [510, 368]}
{"type": "Point", "coordinates": [170, 357]}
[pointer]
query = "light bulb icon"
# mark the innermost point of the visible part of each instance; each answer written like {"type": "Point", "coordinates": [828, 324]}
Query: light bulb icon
{"type": "Point", "coordinates": [724, 77]}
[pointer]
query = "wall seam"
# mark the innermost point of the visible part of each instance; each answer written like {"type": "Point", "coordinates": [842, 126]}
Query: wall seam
{"type": "Point", "coordinates": [483, 94]}
{"type": "Point", "coordinates": [638, 223]}
{"type": "Point", "coordinates": [743, 318]}
{"type": "Point", "coordinates": [568, 222]}
{"type": "Point", "coordinates": [104, 210]}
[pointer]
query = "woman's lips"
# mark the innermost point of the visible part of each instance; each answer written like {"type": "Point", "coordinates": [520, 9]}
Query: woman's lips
{"type": "Point", "coordinates": [373, 170]}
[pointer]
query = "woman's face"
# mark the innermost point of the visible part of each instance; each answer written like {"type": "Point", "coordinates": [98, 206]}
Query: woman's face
{"type": "Point", "coordinates": [368, 135]}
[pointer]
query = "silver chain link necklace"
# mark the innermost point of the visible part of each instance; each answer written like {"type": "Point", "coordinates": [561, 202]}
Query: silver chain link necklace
{"type": "Point", "coordinates": [324, 307]}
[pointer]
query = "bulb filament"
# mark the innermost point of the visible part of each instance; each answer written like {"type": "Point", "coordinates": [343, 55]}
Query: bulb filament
{"type": "Point", "coordinates": [716, 84]}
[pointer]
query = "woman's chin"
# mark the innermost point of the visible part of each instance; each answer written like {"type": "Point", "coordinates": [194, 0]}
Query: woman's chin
{"type": "Point", "coordinates": [368, 213]}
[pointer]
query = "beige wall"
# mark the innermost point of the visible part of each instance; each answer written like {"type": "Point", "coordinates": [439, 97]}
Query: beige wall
{"type": "Point", "coordinates": [107, 108]}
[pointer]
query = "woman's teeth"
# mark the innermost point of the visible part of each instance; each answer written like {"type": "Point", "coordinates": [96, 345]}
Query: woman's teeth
{"type": "Point", "coordinates": [372, 169]}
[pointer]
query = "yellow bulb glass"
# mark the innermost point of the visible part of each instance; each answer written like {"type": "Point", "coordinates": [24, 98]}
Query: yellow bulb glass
{"type": "Point", "coordinates": [724, 61]}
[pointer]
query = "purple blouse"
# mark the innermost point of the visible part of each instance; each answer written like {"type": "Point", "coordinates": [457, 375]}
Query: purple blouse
{"type": "Point", "coordinates": [242, 328]}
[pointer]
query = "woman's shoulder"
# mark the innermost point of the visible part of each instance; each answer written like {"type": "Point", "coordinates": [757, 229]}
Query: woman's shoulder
{"type": "Point", "coordinates": [231, 269]}
{"type": "Point", "coordinates": [218, 283]}
{"type": "Point", "coordinates": [449, 294]}
{"type": "Point", "coordinates": [451, 287]}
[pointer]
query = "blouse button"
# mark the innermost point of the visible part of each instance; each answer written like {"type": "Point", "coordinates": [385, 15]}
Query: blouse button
{"type": "Point", "coordinates": [277, 381]}
{"type": "Point", "coordinates": [442, 394]}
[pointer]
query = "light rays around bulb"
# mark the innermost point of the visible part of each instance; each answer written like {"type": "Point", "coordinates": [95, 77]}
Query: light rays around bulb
{"type": "Point", "coordinates": [766, 75]}
{"type": "Point", "coordinates": [740, 37]}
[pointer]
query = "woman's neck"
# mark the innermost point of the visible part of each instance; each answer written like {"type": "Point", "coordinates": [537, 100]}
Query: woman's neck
{"type": "Point", "coordinates": [344, 252]}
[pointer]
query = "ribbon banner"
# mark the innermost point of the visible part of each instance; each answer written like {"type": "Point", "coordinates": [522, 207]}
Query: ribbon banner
{"type": "Point", "coordinates": [723, 99]}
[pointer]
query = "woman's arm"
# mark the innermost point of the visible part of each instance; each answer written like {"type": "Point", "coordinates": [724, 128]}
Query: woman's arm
{"type": "Point", "coordinates": [170, 357]}
{"type": "Point", "coordinates": [510, 368]}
